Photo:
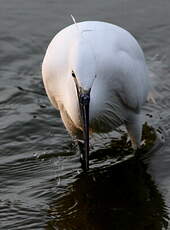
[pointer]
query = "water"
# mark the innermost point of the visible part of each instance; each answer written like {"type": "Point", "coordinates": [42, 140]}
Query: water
{"type": "Point", "coordinates": [41, 182]}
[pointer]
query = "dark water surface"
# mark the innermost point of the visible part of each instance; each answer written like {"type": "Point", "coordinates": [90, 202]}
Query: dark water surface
{"type": "Point", "coordinates": [41, 182]}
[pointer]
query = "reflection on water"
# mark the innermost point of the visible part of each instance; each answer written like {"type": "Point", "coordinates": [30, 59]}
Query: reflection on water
{"type": "Point", "coordinates": [120, 197]}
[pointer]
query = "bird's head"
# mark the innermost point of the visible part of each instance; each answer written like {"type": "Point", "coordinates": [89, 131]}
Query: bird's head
{"type": "Point", "coordinates": [83, 71]}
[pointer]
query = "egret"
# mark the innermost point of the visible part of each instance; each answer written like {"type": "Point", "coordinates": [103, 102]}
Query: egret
{"type": "Point", "coordinates": [96, 75]}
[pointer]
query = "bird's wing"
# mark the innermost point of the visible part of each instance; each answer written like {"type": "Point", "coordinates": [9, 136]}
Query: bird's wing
{"type": "Point", "coordinates": [47, 85]}
{"type": "Point", "coordinates": [132, 81]}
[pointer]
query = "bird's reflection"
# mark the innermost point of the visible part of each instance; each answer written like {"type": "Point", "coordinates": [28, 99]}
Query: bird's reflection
{"type": "Point", "coordinates": [119, 197]}
{"type": "Point", "coordinates": [123, 196]}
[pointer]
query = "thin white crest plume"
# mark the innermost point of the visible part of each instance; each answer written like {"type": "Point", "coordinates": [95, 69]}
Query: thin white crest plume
{"type": "Point", "coordinates": [74, 20]}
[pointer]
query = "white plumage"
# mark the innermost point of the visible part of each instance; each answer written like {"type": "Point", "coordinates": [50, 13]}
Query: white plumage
{"type": "Point", "coordinates": [106, 61]}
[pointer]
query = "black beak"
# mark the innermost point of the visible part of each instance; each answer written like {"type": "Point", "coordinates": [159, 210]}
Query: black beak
{"type": "Point", "coordinates": [84, 100]}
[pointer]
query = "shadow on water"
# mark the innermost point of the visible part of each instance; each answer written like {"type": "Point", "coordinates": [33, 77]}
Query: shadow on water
{"type": "Point", "coordinates": [121, 197]}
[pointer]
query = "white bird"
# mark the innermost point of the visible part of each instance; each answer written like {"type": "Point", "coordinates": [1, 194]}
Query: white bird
{"type": "Point", "coordinates": [95, 74]}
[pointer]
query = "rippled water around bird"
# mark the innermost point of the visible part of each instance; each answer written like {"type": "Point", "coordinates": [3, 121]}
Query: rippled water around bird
{"type": "Point", "coordinates": [41, 182]}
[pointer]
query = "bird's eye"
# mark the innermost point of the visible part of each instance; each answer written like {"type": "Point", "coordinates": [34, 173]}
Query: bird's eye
{"type": "Point", "coordinates": [73, 74]}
